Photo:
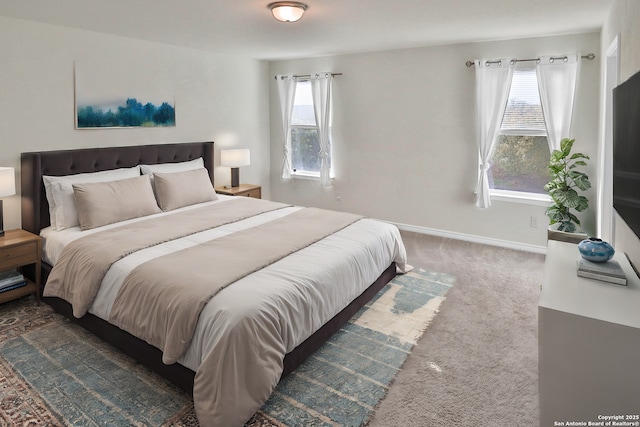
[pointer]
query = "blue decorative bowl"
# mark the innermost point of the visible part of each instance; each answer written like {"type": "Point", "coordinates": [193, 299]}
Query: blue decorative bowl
{"type": "Point", "coordinates": [595, 250]}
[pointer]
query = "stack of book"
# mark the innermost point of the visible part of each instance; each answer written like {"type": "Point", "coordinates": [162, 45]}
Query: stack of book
{"type": "Point", "coordinates": [11, 280]}
{"type": "Point", "coordinates": [609, 271]}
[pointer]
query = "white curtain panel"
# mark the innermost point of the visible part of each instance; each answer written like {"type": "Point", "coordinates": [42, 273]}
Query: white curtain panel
{"type": "Point", "coordinates": [557, 80]}
{"type": "Point", "coordinates": [321, 91]}
{"type": "Point", "coordinates": [287, 93]}
{"type": "Point", "coordinates": [493, 81]}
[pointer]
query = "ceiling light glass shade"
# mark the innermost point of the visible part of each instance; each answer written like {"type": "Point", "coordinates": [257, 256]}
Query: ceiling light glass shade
{"type": "Point", "coordinates": [287, 11]}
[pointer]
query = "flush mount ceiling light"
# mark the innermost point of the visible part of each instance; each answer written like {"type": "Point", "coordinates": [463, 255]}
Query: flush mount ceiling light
{"type": "Point", "coordinates": [287, 11]}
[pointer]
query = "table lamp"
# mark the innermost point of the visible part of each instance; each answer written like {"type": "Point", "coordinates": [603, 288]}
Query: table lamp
{"type": "Point", "coordinates": [7, 188]}
{"type": "Point", "coordinates": [234, 159]}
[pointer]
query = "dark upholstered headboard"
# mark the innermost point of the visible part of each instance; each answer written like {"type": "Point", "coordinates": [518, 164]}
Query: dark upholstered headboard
{"type": "Point", "coordinates": [35, 208]}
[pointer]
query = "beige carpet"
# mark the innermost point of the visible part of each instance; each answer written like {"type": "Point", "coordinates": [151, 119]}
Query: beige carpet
{"type": "Point", "coordinates": [477, 364]}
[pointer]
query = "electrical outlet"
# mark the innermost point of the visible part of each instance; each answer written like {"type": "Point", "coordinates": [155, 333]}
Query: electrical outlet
{"type": "Point", "coordinates": [533, 222]}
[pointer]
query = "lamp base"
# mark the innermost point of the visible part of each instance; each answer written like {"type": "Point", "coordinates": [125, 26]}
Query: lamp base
{"type": "Point", "coordinates": [235, 177]}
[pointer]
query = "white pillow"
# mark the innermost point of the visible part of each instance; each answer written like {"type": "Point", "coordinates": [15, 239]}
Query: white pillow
{"type": "Point", "coordinates": [59, 191]}
{"type": "Point", "coordinates": [178, 189]}
{"type": "Point", "coordinates": [102, 203]}
{"type": "Point", "coordinates": [172, 167]}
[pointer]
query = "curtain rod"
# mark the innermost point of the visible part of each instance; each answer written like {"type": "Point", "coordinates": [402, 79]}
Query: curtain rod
{"type": "Point", "coordinates": [307, 76]}
{"type": "Point", "coordinates": [590, 57]}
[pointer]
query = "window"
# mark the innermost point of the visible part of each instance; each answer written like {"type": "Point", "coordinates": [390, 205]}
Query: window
{"type": "Point", "coordinates": [519, 162]}
{"type": "Point", "coordinates": [305, 143]}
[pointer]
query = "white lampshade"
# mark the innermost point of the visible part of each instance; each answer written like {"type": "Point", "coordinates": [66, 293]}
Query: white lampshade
{"type": "Point", "coordinates": [235, 158]}
{"type": "Point", "coordinates": [287, 11]}
{"type": "Point", "coordinates": [7, 182]}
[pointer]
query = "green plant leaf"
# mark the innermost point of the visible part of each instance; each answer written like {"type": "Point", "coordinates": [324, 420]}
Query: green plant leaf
{"type": "Point", "coordinates": [567, 227]}
{"type": "Point", "coordinates": [580, 179]}
{"type": "Point", "coordinates": [565, 145]}
{"type": "Point", "coordinates": [578, 163]}
{"type": "Point", "coordinates": [574, 219]}
{"type": "Point", "coordinates": [554, 183]}
{"type": "Point", "coordinates": [557, 156]}
{"type": "Point", "coordinates": [582, 204]}
{"type": "Point", "coordinates": [555, 215]}
{"type": "Point", "coordinates": [579, 156]}
{"type": "Point", "coordinates": [554, 169]}
{"type": "Point", "coordinates": [569, 198]}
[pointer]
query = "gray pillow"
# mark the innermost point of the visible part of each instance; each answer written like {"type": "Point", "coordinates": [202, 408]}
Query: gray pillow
{"type": "Point", "coordinates": [102, 203]}
{"type": "Point", "coordinates": [178, 189]}
{"type": "Point", "coordinates": [59, 191]}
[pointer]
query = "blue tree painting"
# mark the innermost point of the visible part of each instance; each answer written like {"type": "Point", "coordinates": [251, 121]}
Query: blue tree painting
{"type": "Point", "coordinates": [131, 114]}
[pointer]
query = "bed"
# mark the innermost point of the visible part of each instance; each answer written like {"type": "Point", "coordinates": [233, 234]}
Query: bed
{"type": "Point", "coordinates": [243, 373]}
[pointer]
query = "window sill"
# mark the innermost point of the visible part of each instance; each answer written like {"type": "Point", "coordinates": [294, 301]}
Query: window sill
{"type": "Point", "coordinates": [307, 175]}
{"type": "Point", "coordinates": [520, 197]}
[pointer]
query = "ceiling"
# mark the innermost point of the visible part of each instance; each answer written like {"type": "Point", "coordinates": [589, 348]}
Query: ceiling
{"type": "Point", "coordinates": [329, 27]}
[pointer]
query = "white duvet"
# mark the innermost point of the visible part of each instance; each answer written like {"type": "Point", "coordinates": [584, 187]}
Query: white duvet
{"type": "Point", "coordinates": [281, 305]}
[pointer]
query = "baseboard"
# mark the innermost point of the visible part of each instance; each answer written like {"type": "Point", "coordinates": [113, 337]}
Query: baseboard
{"type": "Point", "coordinates": [472, 238]}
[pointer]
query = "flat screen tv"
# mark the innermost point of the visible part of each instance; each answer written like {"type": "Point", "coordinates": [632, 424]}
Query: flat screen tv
{"type": "Point", "coordinates": [626, 152]}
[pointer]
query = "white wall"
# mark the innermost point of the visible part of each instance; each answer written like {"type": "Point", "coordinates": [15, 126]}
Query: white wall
{"type": "Point", "coordinates": [403, 123]}
{"type": "Point", "coordinates": [404, 137]}
{"type": "Point", "coordinates": [217, 97]}
{"type": "Point", "coordinates": [622, 22]}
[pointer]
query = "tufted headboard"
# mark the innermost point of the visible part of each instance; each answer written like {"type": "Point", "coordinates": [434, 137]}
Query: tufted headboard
{"type": "Point", "coordinates": [35, 208]}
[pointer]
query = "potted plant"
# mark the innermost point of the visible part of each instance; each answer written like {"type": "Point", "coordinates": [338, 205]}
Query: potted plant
{"type": "Point", "coordinates": [566, 180]}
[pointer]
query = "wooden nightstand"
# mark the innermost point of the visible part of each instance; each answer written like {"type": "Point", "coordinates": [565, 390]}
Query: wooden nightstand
{"type": "Point", "coordinates": [247, 190]}
{"type": "Point", "coordinates": [17, 249]}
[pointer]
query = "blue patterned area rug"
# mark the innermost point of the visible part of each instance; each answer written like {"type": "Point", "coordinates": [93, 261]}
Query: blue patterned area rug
{"type": "Point", "coordinates": [54, 373]}
{"type": "Point", "coordinates": [341, 383]}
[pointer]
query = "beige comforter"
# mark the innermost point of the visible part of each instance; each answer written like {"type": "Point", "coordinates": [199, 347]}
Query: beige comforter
{"type": "Point", "coordinates": [174, 288]}
{"type": "Point", "coordinates": [77, 275]}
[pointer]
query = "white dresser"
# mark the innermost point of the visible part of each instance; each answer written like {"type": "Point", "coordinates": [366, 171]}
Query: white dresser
{"type": "Point", "coordinates": [588, 343]}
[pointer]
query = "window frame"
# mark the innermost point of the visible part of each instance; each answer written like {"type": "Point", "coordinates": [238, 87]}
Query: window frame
{"type": "Point", "coordinates": [305, 174]}
{"type": "Point", "coordinates": [541, 199]}
{"type": "Point", "coordinates": [301, 173]}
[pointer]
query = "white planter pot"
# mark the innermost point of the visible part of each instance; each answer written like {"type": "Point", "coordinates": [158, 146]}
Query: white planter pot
{"type": "Point", "coordinates": [563, 236]}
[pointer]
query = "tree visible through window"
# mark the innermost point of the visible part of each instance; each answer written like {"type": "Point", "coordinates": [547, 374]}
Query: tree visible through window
{"type": "Point", "coordinates": [521, 156]}
{"type": "Point", "coordinates": [305, 144]}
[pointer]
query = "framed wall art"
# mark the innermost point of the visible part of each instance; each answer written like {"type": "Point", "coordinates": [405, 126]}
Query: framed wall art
{"type": "Point", "coordinates": [111, 96]}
